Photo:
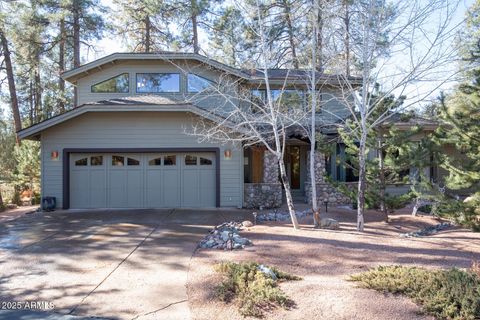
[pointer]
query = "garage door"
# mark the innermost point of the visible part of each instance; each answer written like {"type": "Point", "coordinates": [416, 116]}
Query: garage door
{"type": "Point", "coordinates": [150, 180]}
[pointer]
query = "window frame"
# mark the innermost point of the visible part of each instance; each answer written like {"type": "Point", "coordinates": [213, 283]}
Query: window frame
{"type": "Point", "coordinates": [169, 73]}
{"type": "Point", "coordinates": [116, 76]}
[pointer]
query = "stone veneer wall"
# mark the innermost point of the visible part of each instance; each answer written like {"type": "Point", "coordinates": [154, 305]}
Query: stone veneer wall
{"type": "Point", "coordinates": [319, 167]}
{"type": "Point", "coordinates": [270, 168]}
{"type": "Point", "coordinates": [266, 195]}
{"type": "Point", "coordinates": [325, 191]}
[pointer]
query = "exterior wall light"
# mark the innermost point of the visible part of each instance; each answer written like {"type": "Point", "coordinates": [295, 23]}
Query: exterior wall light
{"type": "Point", "coordinates": [227, 154]}
{"type": "Point", "coordinates": [54, 155]}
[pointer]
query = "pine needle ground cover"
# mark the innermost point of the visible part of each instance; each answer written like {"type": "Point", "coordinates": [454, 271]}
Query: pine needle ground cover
{"type": "Point", "coordinates": [445, 294]}
{"type": "Point", "coordinates": [251, 288]}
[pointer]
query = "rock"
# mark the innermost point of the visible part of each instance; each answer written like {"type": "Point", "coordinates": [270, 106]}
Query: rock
{"type": "Point", "coordinates": [267, 271]}
{"type": "Point", "coordinates": [427, 231]}
{"type": "Point", "coordinates": [329, 223]}
{"type": "Point", "coordinates": [225, 236]}
{"type": "Point", "coordinates": [247, 224]}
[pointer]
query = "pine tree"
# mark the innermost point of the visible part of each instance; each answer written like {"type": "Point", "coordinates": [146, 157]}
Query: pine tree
{"type": "Point", "coordinates": [144, 24]}
{"type": "Point", "coordinates": [462, 114]}
{"type": "Point", "coordinates": [194, 16]}
{"type": "Point", "coordinates": [227, 37]}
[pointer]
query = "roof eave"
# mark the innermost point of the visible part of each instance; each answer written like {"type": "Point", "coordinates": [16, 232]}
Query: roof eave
{"type": "Point", "coordinates": [33, 132]}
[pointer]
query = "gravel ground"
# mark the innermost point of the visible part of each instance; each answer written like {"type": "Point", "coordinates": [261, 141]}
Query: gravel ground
{"type": "Point", "coordinates": [326, 258]}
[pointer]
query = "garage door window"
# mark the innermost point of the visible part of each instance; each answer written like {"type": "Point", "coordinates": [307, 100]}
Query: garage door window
{"type": "Point", "coordinates": [170, 160]}
{"type": "Point", "coordinates": [118, 161]}
{"type": "Point", "coordinates": [133, 162]}
{"type": "Point", "coordinates": [190, 160]}
{"type": "Point", "coordinates": [81, 162]}
{"type": "Point", "coordinates": [96, 161]}
{"type": "Point", "coordinates": [205, 162]}
{"type": "Point", "coordinates": [155, 162]}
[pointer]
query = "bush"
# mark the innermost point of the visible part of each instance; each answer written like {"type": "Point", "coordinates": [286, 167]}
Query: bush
{"type": "Point", "coordinates": [445, 294]}
{"type": "Point", "coordinates": [252, 289]}
{"type": "Point", "coordinates": [465, 213]}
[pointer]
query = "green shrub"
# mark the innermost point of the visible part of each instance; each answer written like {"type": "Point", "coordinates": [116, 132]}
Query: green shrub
{"type": "Point", "coordinates": [445, 294]}
{"type": "Point", "coordinates": [252, 290]}
{"type": "Point", "coordinates": [464, 213]}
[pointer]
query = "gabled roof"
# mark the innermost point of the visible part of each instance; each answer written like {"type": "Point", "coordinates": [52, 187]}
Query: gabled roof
{"type": "Point", "coordinates": [403, 120]}
{"type": "Point", "coordinates": [132, 103]}
{"type": "Point", "coordinates": [73, 74]}
{"type": "Point", "coordinates": [254, 75]}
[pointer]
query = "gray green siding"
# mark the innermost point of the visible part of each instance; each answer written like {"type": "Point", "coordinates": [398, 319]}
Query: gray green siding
{"type": "Point", "coordinates": [134, 130]}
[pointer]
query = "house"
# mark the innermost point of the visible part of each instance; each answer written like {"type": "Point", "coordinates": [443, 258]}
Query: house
{"type": "Point", "coordinates": [127, 143]}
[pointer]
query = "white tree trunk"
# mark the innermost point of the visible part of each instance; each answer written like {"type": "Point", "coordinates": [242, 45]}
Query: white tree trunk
{"type": "Point", "coordinates": [362, 183]}
{"type": "Point", "coordinates": [288, 193]}
{"type": "Point", "coordinates": [313, 124]}
{"type": "Point", "coordinates": [313, 181]}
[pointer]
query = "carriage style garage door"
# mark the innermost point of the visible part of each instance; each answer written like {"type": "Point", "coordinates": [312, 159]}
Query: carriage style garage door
{"type": "Point", "coordinates": [150, 180]}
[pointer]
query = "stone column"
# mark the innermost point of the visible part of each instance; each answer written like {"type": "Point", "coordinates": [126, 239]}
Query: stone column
{"type": "Point", "coordinates": [270, 168]}
{"type": "Point", "coordinates": [319, 167]}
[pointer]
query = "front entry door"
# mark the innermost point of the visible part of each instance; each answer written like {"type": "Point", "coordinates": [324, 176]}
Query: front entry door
{"type": "Point", "coordinates": [294, 166]}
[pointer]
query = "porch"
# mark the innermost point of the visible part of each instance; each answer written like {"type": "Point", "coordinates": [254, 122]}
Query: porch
{"type": "Point", "coordinates": [262, 184]}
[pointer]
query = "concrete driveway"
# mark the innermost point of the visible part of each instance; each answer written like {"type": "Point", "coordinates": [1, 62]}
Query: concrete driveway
{"type": "Point", "coordinates": [114, 264]}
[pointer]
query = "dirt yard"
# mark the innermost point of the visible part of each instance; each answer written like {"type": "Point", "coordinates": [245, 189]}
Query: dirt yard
{"type": "Point", "coordinates": [325, 259]}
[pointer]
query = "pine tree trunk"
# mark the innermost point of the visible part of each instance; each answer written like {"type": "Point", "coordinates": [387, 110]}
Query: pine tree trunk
{"type": "Point", "coordinates": [381, 169]}
{"type": "Point", "coordinates": [76, 44]}
{"type": "Point", "coordinates": [61, 67]}
{"type": "Point", "coordinates": [288, 193]}
{"type": "Point", "coordinates": [1, 200]}
{"type": "Point", "coordinates": [148, 27]}
{"type": "Point", "coordinates": [38, 93]}
{"type": "Point", "coordinates": [11, 84]}
{"type": "Point", "coordinates": [31, 102]}
{"type": "Point", "coordinates": [196, 47]}
{"type": "Point", "coordinates": [362, 183]}
{"type": "Point", "coordinates": [291, 38]}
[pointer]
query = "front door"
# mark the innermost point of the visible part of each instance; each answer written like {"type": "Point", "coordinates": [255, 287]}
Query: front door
{"type": "Point", "coordinates": [294, 166]}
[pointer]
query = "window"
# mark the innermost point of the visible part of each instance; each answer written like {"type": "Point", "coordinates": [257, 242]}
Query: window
{"type": "Point", "coordinates": [155, 162]}
{"type": "Point", "coordinates": [205, 162]}
{"type": "Point", "coordinates": [253, 165]}
{"type": "Point", "coordinates": [197, 83]}
{"type": "Point", "coordinates": [170, 160]}
{"type": "Point", "coordinates": [158, 82]}
{"type": "Point", "coordinates": [291, 98]}
{"type": "Point", "coordinates": [190, 160]}
{"type": "Point", "coordinates": [118, 161]}
{"type": "Point", "coordinates": [338, 165]}
{"type": "Point", "coordinates": [81, 162]}
{"type": "Point", "coordinates": [117, 84]}
{"type": "Point", "coordinates": [96, 160]}
{"type": "Point", "coordinates": [133, 162]}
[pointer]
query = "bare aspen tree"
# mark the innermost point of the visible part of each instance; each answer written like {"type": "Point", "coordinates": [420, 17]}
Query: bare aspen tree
{"type": "Point", "coordinates": [241, 118]}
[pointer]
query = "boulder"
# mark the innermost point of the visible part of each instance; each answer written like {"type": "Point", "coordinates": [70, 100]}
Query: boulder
{"type": "Point", "coordinates": [329, 223]}
{"type": "Point", "coordinates": [247, 224]}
